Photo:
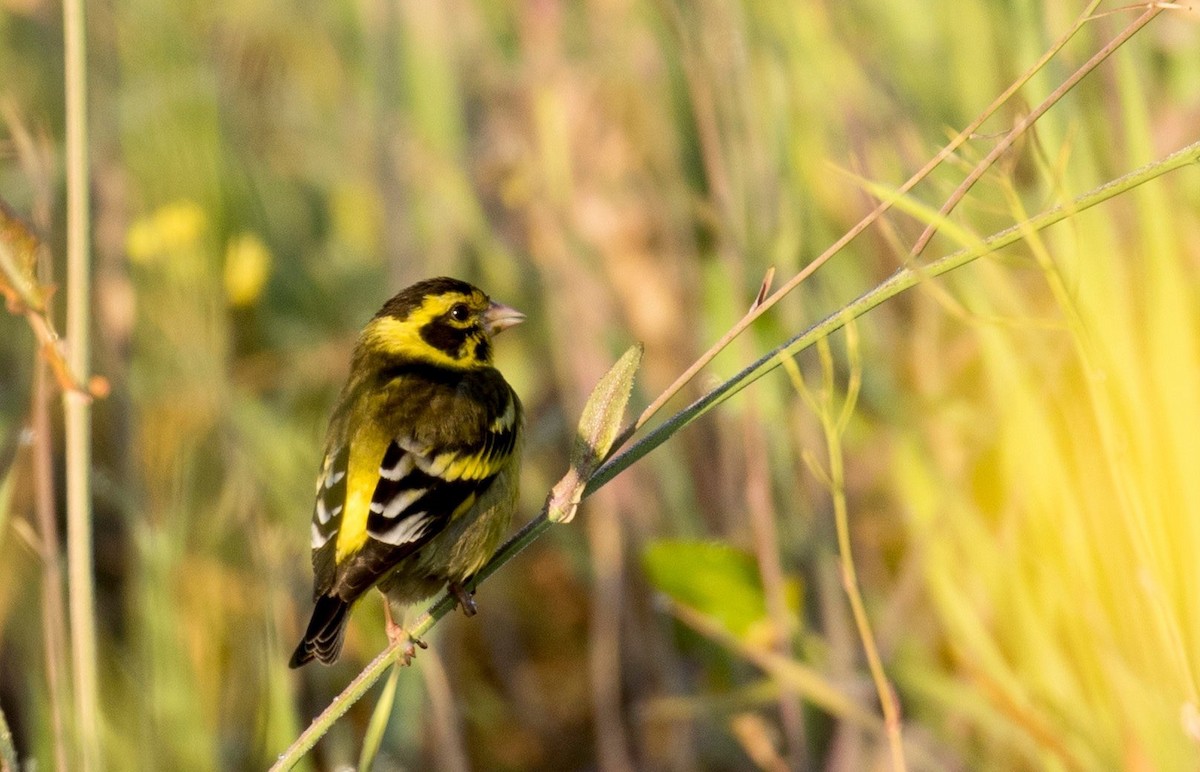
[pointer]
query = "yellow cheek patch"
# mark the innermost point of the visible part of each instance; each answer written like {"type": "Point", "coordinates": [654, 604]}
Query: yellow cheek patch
{"type": "Point", "coordinates": [402, 338]}
{"type": "Point", "coordinates": [389, 335]}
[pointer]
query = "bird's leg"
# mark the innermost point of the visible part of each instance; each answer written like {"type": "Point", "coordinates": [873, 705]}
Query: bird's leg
{"type": "Point", "coordinates": [466, 598]}
{"type": "Point", "coordinates": [396, 633]}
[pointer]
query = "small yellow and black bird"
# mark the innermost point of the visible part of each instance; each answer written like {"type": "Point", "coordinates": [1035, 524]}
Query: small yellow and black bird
{"type": "Point", "coordinates": [419, 479]}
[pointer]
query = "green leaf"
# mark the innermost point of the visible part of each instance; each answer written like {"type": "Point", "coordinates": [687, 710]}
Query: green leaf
{"type": "Point", "coordinates": [712, 578]}
{"type": "Point", "coordinates": [379, 721]}
{"type": "Point", "coordinates": [598, 428]}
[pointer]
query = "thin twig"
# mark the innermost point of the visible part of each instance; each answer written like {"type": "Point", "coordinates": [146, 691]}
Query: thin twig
{"type": "Point", "coordinates": [785, 670]}
{"type": "Point", "coordinates": [19, 247]}
{"type": "Point", "coordinates": [761, 308]}
{"type": "Point", "coordinates": [54, 623]}
{"type": "Point", "coordinates": [77, 410]}
{"type": "Point", "coordinates": [904, 279]}
{"type": "Point", "coordinates": [36, 162]}
{"type": "Point", "coordinates": [833, 425]}
{"type": "Point", "coordinates": [451, 746]}
{"type": "Point", "coordinates": [1023, 125]}
{"type": "Point", "coordinates": [764, 289]}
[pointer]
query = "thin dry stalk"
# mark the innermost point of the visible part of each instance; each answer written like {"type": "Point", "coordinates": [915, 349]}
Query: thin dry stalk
{"type": "Point", "coordinates": [1023, 125]}
{"type": "Point", "coordinates": [54, 620]}
{"type": "Point", "coordinates": [761, 308]}
{"type": "Point", "coordinates": [606, 544]}
{"type": "Point", "coordinates": [19, 247]}
{"type": "Point", "coordinates": [835, 478]}
{"type": "Point", "coordinates": [77, 408]}
{"type": "Point", "coordinates": [36, 162]}
{"type": "Point", "coordinates": [761, 508]}
{"type": "Point", "coordinates": [766, 550]}
{"type": "Point", "coordinates": [451, 746]}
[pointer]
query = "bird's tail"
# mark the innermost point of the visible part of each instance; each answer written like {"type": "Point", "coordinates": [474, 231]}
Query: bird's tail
{"type": "Point", "coordinates": [326, 629]}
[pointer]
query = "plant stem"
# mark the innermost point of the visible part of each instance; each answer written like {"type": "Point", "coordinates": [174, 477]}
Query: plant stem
{"type": "Point", "coordinates": [802, 678]}
{"type": "Point", "coordinates": [19, 245]}
{"type": "Point", "coordinates": [1023, 125]}
{"type": "Point", "coordinates": [900, 281]}
{"type": "Point", "coordinates": [833, 426]}
{"type": "Point", "coordinates": [379, 721]}
{"type": "Point", "coordinates": [54, 623]}
{"type": "Point", "coordinates": [444, 715]}
{"type": "Point", "coordinates": [77, 407]}
{"type": "Point", "coordinates": [903, 279]}
{"type": "Point", "coordinates": [764, 304]}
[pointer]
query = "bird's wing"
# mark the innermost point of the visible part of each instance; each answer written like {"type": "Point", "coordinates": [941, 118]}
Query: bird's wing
{"type": "Point", "coordinates": [418, 489]}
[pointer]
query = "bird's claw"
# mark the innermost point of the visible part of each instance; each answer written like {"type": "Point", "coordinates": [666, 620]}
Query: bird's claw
{"type": "Point", "coordinates": [466, 599]}
{"type": "Point", "coordinates": [398, 635]}
{"type": "Point", "coordinates": [410, 649]}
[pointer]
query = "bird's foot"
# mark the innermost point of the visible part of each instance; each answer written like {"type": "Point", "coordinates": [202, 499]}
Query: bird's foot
{"type": "Point", "coordinates": [410, 649]}
{"type": "Point", "coordinates": [466, 598]}
{"type": "Point", "coordinates": [397, 635]}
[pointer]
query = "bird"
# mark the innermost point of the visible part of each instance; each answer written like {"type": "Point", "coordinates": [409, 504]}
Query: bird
{"type": "Point", "coordinates": [419, 477]}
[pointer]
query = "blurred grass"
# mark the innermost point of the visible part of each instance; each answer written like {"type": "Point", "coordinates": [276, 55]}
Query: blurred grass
{"type": "Point", "coordinates": [1082, 622]}
{"type": "Point", "coordinates": [1019, 473]}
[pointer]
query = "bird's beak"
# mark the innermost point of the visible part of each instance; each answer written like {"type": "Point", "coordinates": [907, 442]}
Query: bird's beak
{"type": "Point", "coordinates": [500, 317]}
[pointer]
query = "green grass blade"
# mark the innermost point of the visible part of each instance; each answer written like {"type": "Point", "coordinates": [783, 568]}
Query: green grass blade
{"type": "Point", "coordinates": [903, 279]}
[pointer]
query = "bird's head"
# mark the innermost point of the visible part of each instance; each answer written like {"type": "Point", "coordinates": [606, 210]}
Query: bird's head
{"type": "Point", "coordinates": [441, 321]}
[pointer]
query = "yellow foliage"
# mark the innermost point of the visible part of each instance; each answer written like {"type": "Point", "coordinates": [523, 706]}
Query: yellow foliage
{"type": "Point", "coordinates": [170, 228]}
{"type": "Point", "coordinates": [247, 268]}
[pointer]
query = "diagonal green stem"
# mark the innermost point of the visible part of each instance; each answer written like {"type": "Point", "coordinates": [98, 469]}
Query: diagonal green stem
{"type": "Point", "coordinates": [765, 302]}
{"type": "Point", "coordinates": [899, 282]}
{"type": "Point", "coordinates": [902, 280]}
{"type": "Point", "coordinates": [379, 721]}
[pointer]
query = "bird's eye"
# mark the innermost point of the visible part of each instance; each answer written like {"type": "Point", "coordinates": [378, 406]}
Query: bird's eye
{"type": "Point", "coordinates": [459, 312]}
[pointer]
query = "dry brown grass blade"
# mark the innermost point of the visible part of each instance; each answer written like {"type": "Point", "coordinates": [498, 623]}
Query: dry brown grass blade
{"type": "Point", "coordinates": [761, 306]}
{"type": "Point", "coordinates": [18, 260]}
{"type": "Point", "coordinates": [1027, 121]}
{"type": "Point", "coordinates": [19, 248]}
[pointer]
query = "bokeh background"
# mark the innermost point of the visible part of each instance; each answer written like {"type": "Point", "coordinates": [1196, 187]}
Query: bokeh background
{"type": "Point", "coordinates": [1021, 468]}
